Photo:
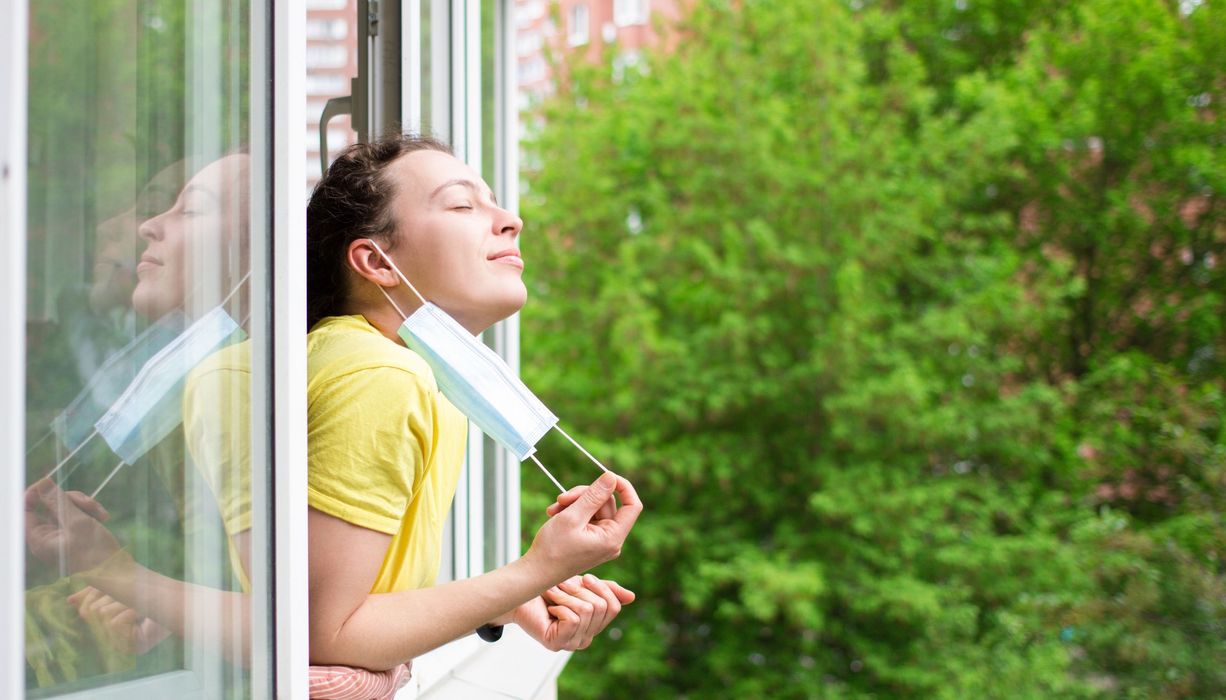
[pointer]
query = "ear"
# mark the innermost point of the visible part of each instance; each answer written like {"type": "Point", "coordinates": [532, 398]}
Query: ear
{"type": "Point", "coordinates": [363, 258]}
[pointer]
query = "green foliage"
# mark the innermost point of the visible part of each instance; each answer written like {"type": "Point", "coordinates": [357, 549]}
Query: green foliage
{"type": "Point", "coordinates": [906, 321]}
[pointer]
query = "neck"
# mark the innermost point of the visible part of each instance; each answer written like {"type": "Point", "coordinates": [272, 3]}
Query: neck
{"type": "Point", "coordinates": [383, 317]}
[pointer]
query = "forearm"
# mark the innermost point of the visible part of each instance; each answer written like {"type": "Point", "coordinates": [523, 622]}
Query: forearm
{"type": "Point", "coordinates": [180, 607]}
{"type": "Point", "coordinates": [390, 628]}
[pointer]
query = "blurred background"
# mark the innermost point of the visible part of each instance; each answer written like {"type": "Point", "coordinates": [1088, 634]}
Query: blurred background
{"type": "Point", "coordinates": [906, 318]}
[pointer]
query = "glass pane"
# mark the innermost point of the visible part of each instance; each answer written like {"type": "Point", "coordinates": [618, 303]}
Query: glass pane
{"type": "Point", "coordinates": [489, 47]}
{"type": "Point", "coordinates": [427, 67]}
{"type": "Point", "coordinates": [331, 61]}
{"type": "Point", "coordinates": [139, 348]}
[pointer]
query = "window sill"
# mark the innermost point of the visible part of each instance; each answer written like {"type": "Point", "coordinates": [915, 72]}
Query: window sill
{"type": "Point", "coordinates": [515, 666]}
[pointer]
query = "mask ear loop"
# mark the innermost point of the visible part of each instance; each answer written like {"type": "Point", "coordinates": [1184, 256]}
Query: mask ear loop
{"type": "Point", "coordinates": [542, 466]}
{"type": "Point", "coordinates": [585, 452]}
{"type": "Point", "coordinates": [398, 274]}
{"type": "Point", "coordinates": [107, 480]}
{"type": "Point", "coordinates": [71, 455]}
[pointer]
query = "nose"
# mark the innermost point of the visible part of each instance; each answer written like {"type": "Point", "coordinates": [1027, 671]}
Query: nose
{"type": "Point", "coordinates": [151, 229]}
{"type": "Point", "coordinates": [508, 224]}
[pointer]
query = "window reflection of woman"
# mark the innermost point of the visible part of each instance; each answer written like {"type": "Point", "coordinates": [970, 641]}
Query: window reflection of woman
{"type": "Point", "coordinates": [195, 257]}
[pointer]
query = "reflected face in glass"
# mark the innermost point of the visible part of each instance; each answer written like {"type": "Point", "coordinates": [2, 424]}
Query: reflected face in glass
{"type": "Point", "coordinates": [454, 242]}
{"type": "Point", "coordinates": [117, 245]}
{"type": "Point", "coordinates": [192, 241]}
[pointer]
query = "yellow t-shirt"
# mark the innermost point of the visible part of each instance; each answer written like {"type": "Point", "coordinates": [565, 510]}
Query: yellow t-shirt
{"type": "Point", "coordinates": [385, 447]}
{"type": "Point", "coordinates": [217, 429]}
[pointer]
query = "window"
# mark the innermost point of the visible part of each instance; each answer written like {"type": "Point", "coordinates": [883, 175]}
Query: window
{"type": "Point", "coordinates": [145, 187]}
{"type": "Point", "coordinates": [528, 12]}
{"type": "Point", "coordinates": [630, 12]}
{"type": "Point", "coordinates": [149, 216]}
{"type": "Point", "coordinates": [334, 29]}
{"type": "Point", "coordinates": [327, 56]}
{"type": "Point", "coordinates": [577, 25]}
{"type": "Point", "coordinates": [530, 43]}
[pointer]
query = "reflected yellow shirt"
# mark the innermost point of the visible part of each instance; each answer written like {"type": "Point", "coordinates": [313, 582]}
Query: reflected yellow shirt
{"type": "Point", "coordinates": [385, 447]}
{"type": "Point", "coordinates": [217, 430]}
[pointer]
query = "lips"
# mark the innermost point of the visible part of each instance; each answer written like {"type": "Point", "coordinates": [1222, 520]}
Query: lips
{"type": "Point", "coordinates": [148, 262]}
{"type": "Point", "coordinates": [510, 256]}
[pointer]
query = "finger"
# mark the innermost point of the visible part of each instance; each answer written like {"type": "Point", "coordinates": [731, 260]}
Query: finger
{"type": "Point", "coordinates": [89, 506]}
{"type": "Point", "coordinates": [81, 594]}
{"type": "Point", "coordinates": [599, 493]}
{"type": "Point", "coordinates": [562, 595]}
{"type": "Point", "coordinates": [565, 499]}
{"type": "Point", "coordinates": [613, 604]}
{"type": "Point", "coordinates": [594, 621]}
{"type": "Point", "coordinates": [631, 506]}
{"type": "Point", "coordinates": [101, 603]}
{"type": "Point", "coordinates": [48, 493]}
{"type": "Point", "coordinates": [624, 595]}
{"type": "Point", "coordinates": [126, 618]}
{"type": "Point", "coordinates": [111, 609]}
{"type": "Point", "coordinates": [40, 494]}
{"type": "Point", "coordinates": [565, 629]}
{"type": "Point", "coordinates": [85, 599]}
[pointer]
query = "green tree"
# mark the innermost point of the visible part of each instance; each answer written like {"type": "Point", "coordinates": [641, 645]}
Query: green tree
{"type": "Point", "coordinates": [887, 310]}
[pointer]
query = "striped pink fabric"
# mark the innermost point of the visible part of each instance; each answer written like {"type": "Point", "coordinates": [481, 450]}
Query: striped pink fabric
{"type": "Point", "coordinates": [348, 683]}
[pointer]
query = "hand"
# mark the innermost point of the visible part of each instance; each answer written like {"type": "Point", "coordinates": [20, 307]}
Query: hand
{"type": "Point", "coordinates": [569, 615]}
{"type": "Point", "coordinates": [67, 524]}
{"type": "Point", "coordinates": [577, 538]}
{"type": "Point", "coordinates": [131, 632]}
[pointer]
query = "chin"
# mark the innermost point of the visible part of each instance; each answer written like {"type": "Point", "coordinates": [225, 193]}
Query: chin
{"type": "Point", "coordinates": [148, 304]}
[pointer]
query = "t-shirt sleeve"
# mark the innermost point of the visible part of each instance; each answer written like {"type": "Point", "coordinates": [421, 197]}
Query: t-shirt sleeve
{"type": "Point", "coordinates": [369, 435]}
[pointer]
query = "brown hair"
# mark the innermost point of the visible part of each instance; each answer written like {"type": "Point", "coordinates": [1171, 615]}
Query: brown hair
{"type": "Point", "coordinates": [351, 202]}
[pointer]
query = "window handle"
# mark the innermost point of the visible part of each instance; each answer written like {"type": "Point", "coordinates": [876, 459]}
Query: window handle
{"type": "Point", "coordinates": [333, 108]}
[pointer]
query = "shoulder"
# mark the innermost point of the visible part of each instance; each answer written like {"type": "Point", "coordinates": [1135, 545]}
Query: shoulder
{"type": "Point", "coordinates": [354, 372]}
{"type": "Point", "coordinates": [342, 347]}
{"type": "Point", "coordinates": [235, 357]}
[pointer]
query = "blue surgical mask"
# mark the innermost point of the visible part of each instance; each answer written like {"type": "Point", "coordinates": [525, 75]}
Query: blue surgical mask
{"type": "Point", "coordinates": [151, 406]}
{"type": "Point", "coordinates": [474, 378]}
{"type": "Point", "coordinates": [75, 423]}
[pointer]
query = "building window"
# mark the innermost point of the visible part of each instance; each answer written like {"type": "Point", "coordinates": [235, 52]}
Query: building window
{"type": "Point", "coordinates": [627, 13]}
{"type": "Point", "coordinates": [327, 56]}
{"type": "Point", "coordinates": [577, 25]}
{"type": "Point", "coordinates": [530, 43]}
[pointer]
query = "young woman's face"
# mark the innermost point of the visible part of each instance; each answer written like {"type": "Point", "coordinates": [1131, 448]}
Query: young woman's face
{"type": "Point", "coordinates": [453, 242]}
{"type": "Point", "coordinates": [117, 247]}
{"type": "Point", "coordinates": [191, 243]}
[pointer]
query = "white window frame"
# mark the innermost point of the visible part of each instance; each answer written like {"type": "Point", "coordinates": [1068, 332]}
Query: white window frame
{"type": "Point", "coordinates": [578, 24]}
{"type": "Point", "coordinates": [287, 272]}
{"type": "Point", "coordinates": [279, 150]}
{"type": "Point", "coordinates": [13, 77]}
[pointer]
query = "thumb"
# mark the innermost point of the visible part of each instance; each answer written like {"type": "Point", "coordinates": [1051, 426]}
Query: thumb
{"type": "Point", "coordinates": [594, 497]}
{"type": "Point", "coordinates": [48, 493]}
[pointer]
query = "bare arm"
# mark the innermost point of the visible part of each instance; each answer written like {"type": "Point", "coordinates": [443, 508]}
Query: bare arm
{"type": "Point", "coordinates": [351, 626]}
{"type": "Point", "coordinates": [69, 525]}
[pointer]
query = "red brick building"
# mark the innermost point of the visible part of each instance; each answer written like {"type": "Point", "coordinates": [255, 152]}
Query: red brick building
{"type": "Point", "coordinates": [587, 26]}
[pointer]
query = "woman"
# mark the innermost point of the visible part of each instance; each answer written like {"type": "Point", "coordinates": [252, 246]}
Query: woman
{"type": "Point", "coordinates": [386, 447]}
